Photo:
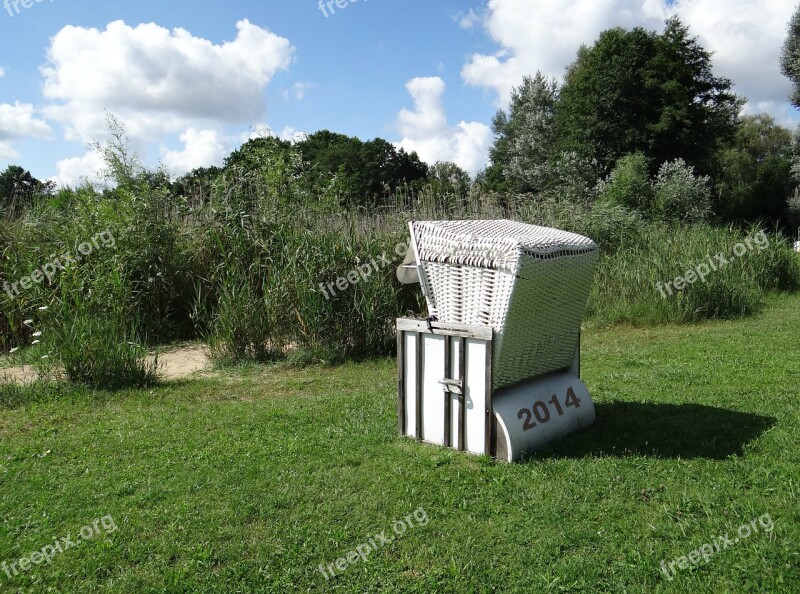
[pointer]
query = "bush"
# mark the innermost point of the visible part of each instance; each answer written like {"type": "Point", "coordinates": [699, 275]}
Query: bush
{"type": "Point", "coordinates": [680, 195]}
{"type": "Point", "coordinates": [631, 284]}
{"type": "Point", "coordinates": [280, 303]}
{"type": "Point", "coordinates": [629, 185]}
{"type": "Point", "coordinates": [608, 225]}
{"type": "Point", "coordinates": [571, 178]}
{"type": "Point", "coordinates": [246, 263]}
{"type": "Point", "coordinates": [98, 353]}
{"type": "Point", "coordinates": [93, 338]}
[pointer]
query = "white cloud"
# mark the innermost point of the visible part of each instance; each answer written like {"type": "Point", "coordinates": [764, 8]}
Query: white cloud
{"type": "Point", "coordinates": [783, 112]}
{"type": "Point", "coordinates": [158, 81]}
{"type": "Point", "coordinates": [261, 130]}
{"type": "Point", "coordinates": [264, 131]}
{"type": "Point", "coordinates": [202, 148]}
{"type": "Point", "coordinates": [7, 151]}
{"type": "Point", "coordinates": [546, 38]}
{"type": "Point", "coordinates": [19, 121]}
{"type": "Point", "coordinates": [468, 20]}
{"type": "Point", "coordinates": [292, 134]}
{"type": "Point", "coordinates": [745, 38]}
{"type": "Point", "coordinates": [299, 89]}
{"type": "Point", "coordinates": [76, 170]}
{"type": "Point", "coordinates": [2, 72]}
{"type": "Point", "coordinates": [426, 130]}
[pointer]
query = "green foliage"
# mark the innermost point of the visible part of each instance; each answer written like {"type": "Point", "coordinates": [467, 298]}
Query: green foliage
{"type": "Point", "coordinates": [324, 171]}
{"type": "Point", "coordinates": [365, 172]}
{"type": "Point", "coordinates": [639, 91]}
{"type": "Point", "coordinates": [271, 167]}
{"type": "Point", "coordinates": [272, 289]}
{"type": "Point", "coordinates": [629, 184]}
{"type": "Point", "coordinates": [680, 195]}
{"type": "Point", "coordinates": [777, 268]}
{"type": "Point", "coordinates": [492, 180]}
{"type": "Point", "coordinates": [525, 136]}
{"type": "Point", "coordinates": [249, 256]}
{"type": "Point", "coordinates": [610, 226]}
{"type": "Point", "coordinates": [122, 166]}
{"type": "Point", "coordinates": [628, 280]}
{"type": "Point", "coordinates": [450, 181]}
{"type": "Point", "coordinates": [570, 177]}
{"type": "Point", "coordinates": [18, 190]}
{"type": "Point", "coordinates": [676, 194]}
{"type": "Point", "coordinates": [790, 56]}
{"type": "Point", "coordinates": [97, 351]}
{"type": "Point", "coordinates": [754, 179]}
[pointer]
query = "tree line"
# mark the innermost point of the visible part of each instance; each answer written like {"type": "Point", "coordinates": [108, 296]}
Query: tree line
{"type": "Point", "coordinates": [640, 121]}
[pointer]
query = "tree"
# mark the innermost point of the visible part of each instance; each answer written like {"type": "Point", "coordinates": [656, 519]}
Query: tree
{"type": "Point", "coordinates": [449, 179]}
{"type": "Point", "coordinates": [197, 185]}
{"type": "Point", "coordinates": [754, 179]}
{"type": "Point", "coordinates": [258, 154]}
{"type": "Point", "coordinates": [265, 170]}
{"type": "Point", "coordinates": [18, 188]}
{"type": "Point", "coordinates": [364, 171]}
{"type": "Point", "coordinates": [790, 57]}
{"type": "Point", "coordinates": [640, 91]}
{"type": "Point", "coordinates": [525, 136]}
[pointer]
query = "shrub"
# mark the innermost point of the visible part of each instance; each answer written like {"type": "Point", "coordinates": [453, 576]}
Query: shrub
{"type": "Point", "coordinates": [97, 352]}
{"type": "Point", "coordinates": [627, 285]}
{"type": "Point", "coordinates": [680, 195]}
{"type": "Point", "coordinates": [279, 302]}
{"type": "Point", "coordinates": [629, 185]}
{"type": "Point", "coordinates": [571, 178]}
{"type": "Point", "coordinates": [92, 337]}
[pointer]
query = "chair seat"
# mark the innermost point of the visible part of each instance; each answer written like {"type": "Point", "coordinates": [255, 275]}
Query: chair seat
{"type": "Point", "coordinates": [529, 283]}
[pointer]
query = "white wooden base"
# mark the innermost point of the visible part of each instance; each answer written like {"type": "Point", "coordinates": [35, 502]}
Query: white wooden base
{"type": "Point", "coordinates": [445, 394]}
{"type": "Point", "coordinates": [531, 415]}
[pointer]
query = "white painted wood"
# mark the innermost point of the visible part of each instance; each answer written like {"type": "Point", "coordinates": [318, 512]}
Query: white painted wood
{"type": "Point", "coordinates": [508, 404]}
{"type": "Point", "coordinates": [432, 391]}
{"type": "Point", "coordinates": [454, 409]}
{"type": "Point", "coordinates": [411, 383]}
{"type": "Point", "coordinates": [476, 396]}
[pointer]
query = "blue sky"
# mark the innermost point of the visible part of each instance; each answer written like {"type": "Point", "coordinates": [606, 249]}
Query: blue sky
{"type": "Point", "coordinates": [426, 75]}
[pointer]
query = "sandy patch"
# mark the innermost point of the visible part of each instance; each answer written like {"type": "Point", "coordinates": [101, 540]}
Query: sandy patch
{"type": "Point", "coordinates": [183, 362]}
{"type": "Point", "coordinates": [173, 364]}
{"type": "Point", "coordinates": [21, 375]}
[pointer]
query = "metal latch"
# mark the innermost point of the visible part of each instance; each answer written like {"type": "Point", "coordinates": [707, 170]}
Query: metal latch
{"type": "Point", "coordinates": [452, 386]}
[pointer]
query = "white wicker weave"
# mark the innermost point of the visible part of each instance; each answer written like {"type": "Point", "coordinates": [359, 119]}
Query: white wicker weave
{"type": "Point", "coordinates": [529, 283]}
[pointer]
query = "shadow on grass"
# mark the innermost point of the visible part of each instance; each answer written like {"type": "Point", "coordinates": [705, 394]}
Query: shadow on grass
{"type": "Point", "coordinates": [661, 430]}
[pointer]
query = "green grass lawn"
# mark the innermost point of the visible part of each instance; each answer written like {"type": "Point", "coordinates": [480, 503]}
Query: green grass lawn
{"type": "Point", "coordinates": [248, 482]}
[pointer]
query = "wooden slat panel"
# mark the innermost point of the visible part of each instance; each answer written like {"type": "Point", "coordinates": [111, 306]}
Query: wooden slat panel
{"type": "Point", "coordinates": [420, 342]}
{"type": "Point", "coordinates": [401, 382]}
{"type": "Point", "coordinates": [460, 330]}
{"type": "Point", "coordinates": [462, 398]}
{"type": "Point", "coordinates": [448, 397]}
{"type": "Point", "coordinates": [488, 399]}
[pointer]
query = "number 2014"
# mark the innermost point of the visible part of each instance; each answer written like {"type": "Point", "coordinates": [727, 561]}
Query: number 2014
{"type": "Point", "coordinates": [541, 412]}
